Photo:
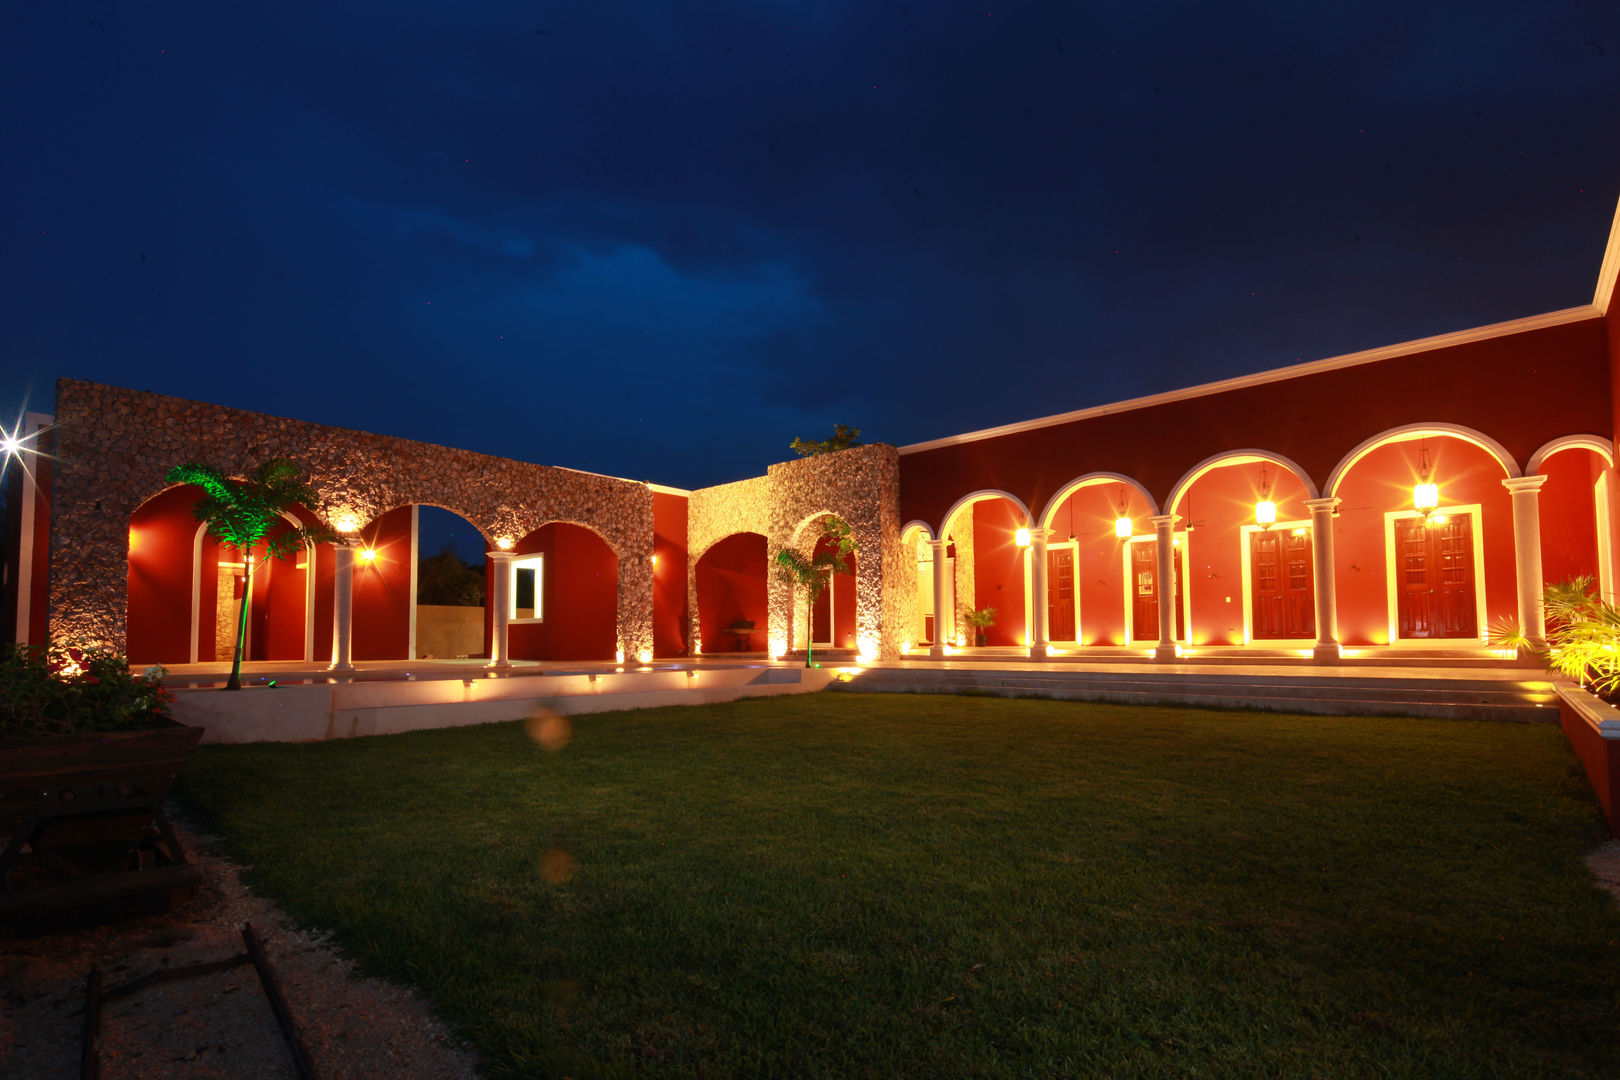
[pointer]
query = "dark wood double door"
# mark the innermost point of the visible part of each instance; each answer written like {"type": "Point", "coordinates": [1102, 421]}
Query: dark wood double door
{"type": "Point", "coordinates": [1282, 595]}
{"type": "Point", "coordinates": [1434, 583]}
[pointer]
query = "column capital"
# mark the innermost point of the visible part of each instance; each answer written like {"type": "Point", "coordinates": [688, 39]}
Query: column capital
{"type": "Point", "coordinates": [1038, 536]}
{"type": "Point", "coordinates": [501, 556]}
{"type": "Point", "coordinates": [1164, 521]}
{"type": "Point", "coordinates": [1323, 506]}
{"type": "Point", "coordinates": [940, 544]}
{"type": "Point", "coordinates": [1531, 484]}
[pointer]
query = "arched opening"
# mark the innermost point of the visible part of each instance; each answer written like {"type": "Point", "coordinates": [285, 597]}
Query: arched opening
{"type": "Point", "coordinates": [920, 619]}
{"type": "Point", "coordinates": [1247, 552]}
{"type": "Point", "coordinates": [731, 595]}
{"type": "Point", "coordinates": [1574, 506]}
{"type": "Point", "coordinates": [451, 587]}
{"type": "Point", "coordinates": [184, 590]}
{"type": "Point", "coordinates": [565, 595]}
{"type": "Point", "coordinates": [1090, 586]}
{"type": "Point", "coordinates": [990, 567]}
{"type": "Point", "coordinates": [1406, 576]}
{"type": "Point", "coordinates": [831, 622]}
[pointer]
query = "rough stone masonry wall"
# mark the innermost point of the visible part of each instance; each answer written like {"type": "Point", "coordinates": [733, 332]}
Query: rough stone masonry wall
{"type": "Point", "coordinates": [712, 514]}
{"type": "Point", "coordinates": [861, 486]}
{"type": "Point", "coordinates": [114, 447]}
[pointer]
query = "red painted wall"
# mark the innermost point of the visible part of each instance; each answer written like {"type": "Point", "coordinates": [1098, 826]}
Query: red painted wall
{"type": "Point", "coordinates": [382, 588]}
{"type": "Point", "coordinates": [1382, 481]}
{"type": "Point", "coordinates": [161, 537]}
{"type": "Point", "coordinates": [1569, 516]}
{"type": "Point", "coordinates": [731, 585]}
{"type": "Point", "coordinates": [1089, 515]}
{"type": "Point", "coordinates": [842, 596]}
{"type": "Point", "coordinates": [998, 569]}
{"type": "Point", "coordinates": [1514, 389]}
{"type": "Point", "coordinates": [579, 598]}
{"type": "Point", "coordinates": [669, 575]}
{"type": "Point", "coordinates": [1218, 505]}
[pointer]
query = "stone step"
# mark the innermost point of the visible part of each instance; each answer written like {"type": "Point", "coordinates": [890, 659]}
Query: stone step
{"type": "Point", "coordinates": [1526, 700]}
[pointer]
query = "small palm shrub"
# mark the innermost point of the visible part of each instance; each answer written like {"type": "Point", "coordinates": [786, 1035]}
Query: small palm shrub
{"type": "Point", "coordinates": [72, 691]}
{"type": "Point", "coordinates": [1583, 636]}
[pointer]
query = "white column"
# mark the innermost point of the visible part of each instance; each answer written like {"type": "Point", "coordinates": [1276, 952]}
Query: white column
{"type": "Point", "coordinates": [1038, 629]}
{"type": "Point", "coordinates": [502, 584]}
{"type": "Point", "coordinates": [937, 649]}
{"type": "Point", "coordinates": [1164, 527]}
{"type": "Point", "coordinates": [1324, 580]}
{"type": "Point", "coordinates": [342, 608]}
{"type": "Point", "coordinates": [1527, 556]}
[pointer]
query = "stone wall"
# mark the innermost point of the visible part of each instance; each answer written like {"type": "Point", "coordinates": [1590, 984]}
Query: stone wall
{"type": "Point", "coordinates": [860, 486]}
{"type": "Point", "coordinates": [114, 447]}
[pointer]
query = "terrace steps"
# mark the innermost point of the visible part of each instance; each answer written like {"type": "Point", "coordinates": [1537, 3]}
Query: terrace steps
{"type": "Point", "coordinates": [1506, 697]}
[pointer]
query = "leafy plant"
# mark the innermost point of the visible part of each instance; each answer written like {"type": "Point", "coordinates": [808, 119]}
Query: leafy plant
{"type": "Point", "coordinates": [843, 438]}
{"type": "Point", "coordinates": [982, 619]}
{"type": "Point", "coordinates": [1583, 636]}
{"type": "Point", "coordinates": [815, 573]}
{"type": "Point", "coordinates": [72, 691]}
{"type": "Point", "coordinates": [243, 514]}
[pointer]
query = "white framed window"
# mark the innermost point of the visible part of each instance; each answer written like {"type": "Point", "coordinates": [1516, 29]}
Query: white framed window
{"type": "Point", "coordinates": [528, 588]}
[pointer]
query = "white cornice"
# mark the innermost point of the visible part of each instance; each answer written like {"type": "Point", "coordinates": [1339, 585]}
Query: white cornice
{"type": "Point", "coordinates": [1295, 371]}
{"type": "Point", "coordinates": [1610, 268]}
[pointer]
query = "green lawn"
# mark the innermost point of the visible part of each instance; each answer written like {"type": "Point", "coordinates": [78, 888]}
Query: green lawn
{"type": "Point", "coordinates": [840, 884]}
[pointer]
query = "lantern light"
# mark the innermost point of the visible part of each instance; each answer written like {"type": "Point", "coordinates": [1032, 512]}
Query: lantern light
{"type": "Point", "coordinates": [1265, 511]}
{"type": "Point", "coordinates": [504, 543]}
{"type": "Point", "coordinates": [1425, 493]}
{"type": "Point", "coordinates": [1021, 538]}
{"type": "Point", "coordinates": [1122, 527]}
{"type": "Point", "coordinates": [368, 555]}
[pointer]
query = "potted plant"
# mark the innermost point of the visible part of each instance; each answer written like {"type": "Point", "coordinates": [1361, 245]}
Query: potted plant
{"type": "Point", "coordinates": [1583, 645]}
{"type": "Point", "coordinates": [88, 752]}
{"type": "Point", "coordinates": [981, 620]}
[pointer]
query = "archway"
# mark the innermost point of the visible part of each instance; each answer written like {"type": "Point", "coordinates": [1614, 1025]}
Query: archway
{"type": "Point", "coordinates": [731, 592]}
{"type": "Point", "coordinates": [920, 622]}
{"type": "Point", "coordinates": [1575, 506]}
{"type": "Point", "coordinates": [565, 593]}
{"type": "Point", "coordinates": [1407, 575]}
{"type": "Point", "coordinates": [452, 586]}
{"type": "Point", "coordinates": [990, 565]}
{"type": "Point", "coordinates": [183, 590]}
{"type": "Point", "coordinates": [1088, 576]}
{"type": "Point", "coordinates": [1247, 548]}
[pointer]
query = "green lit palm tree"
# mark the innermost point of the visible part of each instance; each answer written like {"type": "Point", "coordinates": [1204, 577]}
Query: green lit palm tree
{"type": "Point", "coordinates": [244, 514]}
{"type": "Point", "coordinates": [815, 573]}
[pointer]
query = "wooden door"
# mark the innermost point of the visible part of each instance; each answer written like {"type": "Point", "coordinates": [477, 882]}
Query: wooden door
{"type": "Point", "coordinates": [821, 613]}
{"type": "Point", "coordinates": [1281, 591]}
{"type": "Point", "coordinates": [1060, 594]}
{"type": "Point", "coordinates": [1145, 592]}
{"type": "Point", "coordinates": [1435, 586]}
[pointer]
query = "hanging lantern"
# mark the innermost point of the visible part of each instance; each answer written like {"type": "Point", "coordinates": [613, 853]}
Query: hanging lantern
{"type": "Point", "coordinates": [1265, 511]}
{"type": "Point", "coordinates": [1122, 522]}
{"type": "Point", "coordinates": [1021, 538]}
{"type": "Point", "coordinates": [1425, 493]}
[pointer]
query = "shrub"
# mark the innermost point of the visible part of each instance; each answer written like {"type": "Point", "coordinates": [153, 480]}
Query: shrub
{"type": "Point", "coordinates": [73, 691]}
{"type": "Point", "coordinates": [1583, 636]}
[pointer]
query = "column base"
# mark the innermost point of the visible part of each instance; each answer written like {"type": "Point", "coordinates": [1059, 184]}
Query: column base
{"type": "Point", "coordinates": [340, 668]}
{"type": "Point", "coordinates": [1327, 652]}
{"type": "Point", "coordinates": [495, 664]}
{"type": "Point", "coordinates": [1038, 652]}
{"type": "Point", "coordinates": [936, 651]}
{"type": "Point", "coordinates": [1165, 652]}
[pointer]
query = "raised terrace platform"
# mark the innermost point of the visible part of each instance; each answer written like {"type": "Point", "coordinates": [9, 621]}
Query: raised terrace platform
{"type": "Point", "coordinates": [295, 702]}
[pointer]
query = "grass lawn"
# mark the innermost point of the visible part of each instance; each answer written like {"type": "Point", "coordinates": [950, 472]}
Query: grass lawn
{"type": "Point", "coordinates": [840, 884]}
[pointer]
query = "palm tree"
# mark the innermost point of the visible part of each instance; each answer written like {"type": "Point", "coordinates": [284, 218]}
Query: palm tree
{"type": "Point", "coordinates": [242, 513]}
{"type": "Point", "coordinates": [814, 574]}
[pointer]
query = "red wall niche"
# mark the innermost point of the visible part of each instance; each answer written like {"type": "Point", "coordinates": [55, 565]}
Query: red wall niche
{"type": "Point", "coordinates": [1568, 511]}
{"type": "Point", "coordinates": [579, 597]}
{"type": "Point", "coordinates": [382, 586]}
{"type": "Point", "coordinates": [669, 574]}
{"type": "Point", "coordinates": [731, 585]}
{"type": "Point", "coordinates": [162, 541]}
{"type": "Point", "coordinates": [841, 595]}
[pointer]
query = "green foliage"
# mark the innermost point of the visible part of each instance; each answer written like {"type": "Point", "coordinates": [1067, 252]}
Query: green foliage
{"type": "Point", "coordinates": [982, 619]}
{"type": "Point", "coordinates": [843, 438]}
{"type": "Point", "coordinates": [72, 691]}
{"type": "Point", "coordinates": [445, 579]}
{"type": "Point", "coordinates": [1583, 636]}
{"type": "Point", "coordinates": [246, 514]}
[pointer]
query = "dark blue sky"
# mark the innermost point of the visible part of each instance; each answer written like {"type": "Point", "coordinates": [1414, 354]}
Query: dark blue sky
{"type": "Point", "coordinates": [661, 240]}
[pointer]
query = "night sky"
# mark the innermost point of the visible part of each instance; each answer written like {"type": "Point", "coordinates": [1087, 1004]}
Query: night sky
{"type": "Point", "coordinates": [661, 240]}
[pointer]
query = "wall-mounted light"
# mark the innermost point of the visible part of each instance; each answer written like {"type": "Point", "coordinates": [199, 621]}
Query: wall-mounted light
{"type": "Point", "coordinates": [655, 562]}
{"type": "Point", "coordinates": [1021, 538]}
{"type": "Point", "coordinates": [366, 556]}
{"type": "Point", "coordinates": [1265, 511]}
{"type": "Point", "coordinates": [504, 543]}
{"type": "Point", "coordinates": [346, 523]}
{"type": "Point", "coordinates": [1425, 493]}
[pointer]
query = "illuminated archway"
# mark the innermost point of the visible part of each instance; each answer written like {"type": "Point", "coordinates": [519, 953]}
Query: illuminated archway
{"type": "Point", "coordinates": [732, 590]}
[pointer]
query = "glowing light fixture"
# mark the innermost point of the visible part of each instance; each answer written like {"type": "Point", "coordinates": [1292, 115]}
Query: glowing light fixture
{"type": "Point", "coordinates": [618, 656]}
{"type": "Point", "coordinates": [1265, 511]}
{"type": "Point", "coordinates": [1425, 493]}
{"type": "Point", "coordinates": [346, 523]}
{"type": "Point", "coordinates": [1021, 537]}
{"type": "Point", "coordinates": [1122, 518]}
{"type": "Point", "coordinates": [366, 556]}
{"type": "Point", "coordinates": [778, 648]}
{"type": "Point", "coordinates": [504, 543]}
{"type": "Point", "coordinates": [645, 656]}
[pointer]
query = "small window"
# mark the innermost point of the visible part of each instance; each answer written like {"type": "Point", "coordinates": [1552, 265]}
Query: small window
{"type": "Point", "coordinates": [528, 580]}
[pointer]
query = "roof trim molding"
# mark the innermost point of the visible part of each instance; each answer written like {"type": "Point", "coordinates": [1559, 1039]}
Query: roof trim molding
{"type": "Point", "coordinates": [1610, 269]}
{"type": "Point", "coordinates": [1295, 371]}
